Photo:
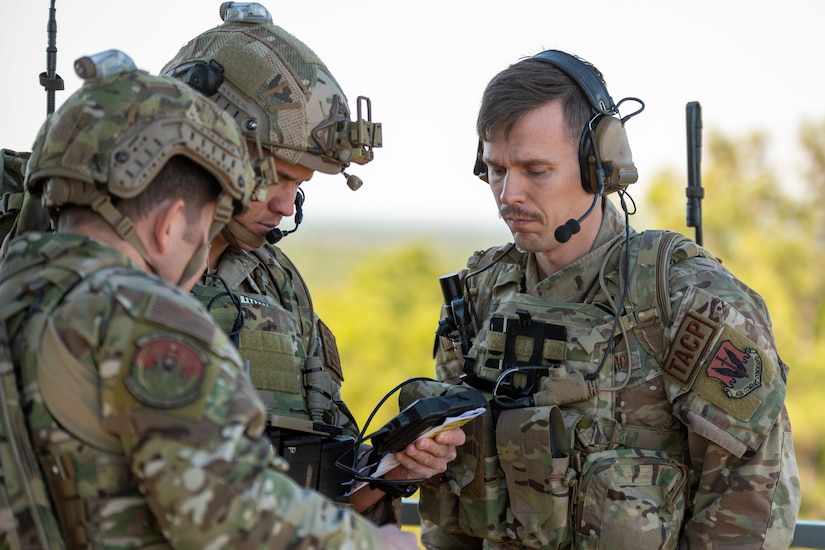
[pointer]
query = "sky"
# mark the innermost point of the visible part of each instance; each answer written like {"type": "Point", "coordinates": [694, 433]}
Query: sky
{"type": "Point", "coordinates": [424, 65]}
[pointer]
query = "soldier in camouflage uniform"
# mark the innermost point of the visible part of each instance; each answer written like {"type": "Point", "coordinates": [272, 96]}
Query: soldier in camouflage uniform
{"type": "Point", "coordinates": [297, 121]}
{"type": "Point", "coordinates": [146, 428]}
{"type": "Point", "coordinates": [637, 396]}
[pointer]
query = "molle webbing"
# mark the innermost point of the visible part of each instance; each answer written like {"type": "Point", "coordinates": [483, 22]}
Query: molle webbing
{"type": "Point", "coordinates": [273, 365]}
{"type": "Point", "coordinates": [596, 434]}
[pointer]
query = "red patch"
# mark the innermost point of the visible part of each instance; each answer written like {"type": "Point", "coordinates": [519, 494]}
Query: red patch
{"type": "Point", "coordinates": [739, 371]}
{"type": "Point", "coordinates": [166, 371]}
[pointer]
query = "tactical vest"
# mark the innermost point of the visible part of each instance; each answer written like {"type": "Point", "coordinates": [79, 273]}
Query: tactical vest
{"type": "Point", "coordinates": [19, 213]}
{"type": "Point", "coordinates": [550, 465]}
{"type": "Point", "coordinates": [12, 173]}
{"type": "Point", "coordinates": [90, 483]}
{"type": "Point", "coordinates": [297, 387]}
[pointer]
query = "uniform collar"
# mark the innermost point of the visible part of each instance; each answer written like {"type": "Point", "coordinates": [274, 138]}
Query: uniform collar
{"type": "Point", "coordinates": [571, 284]}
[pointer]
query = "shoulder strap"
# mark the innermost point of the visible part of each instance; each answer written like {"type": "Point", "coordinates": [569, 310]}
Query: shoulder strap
{"type": "Point", "coordinates": [26, 513]}
{"type": "Point", "coordinates": [649, 291]}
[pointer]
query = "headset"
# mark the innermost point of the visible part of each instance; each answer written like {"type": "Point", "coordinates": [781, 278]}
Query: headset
{"type": "Point", "coordinates": [604, 145]}
{"type": "Point", "coordinates": [605, 160]}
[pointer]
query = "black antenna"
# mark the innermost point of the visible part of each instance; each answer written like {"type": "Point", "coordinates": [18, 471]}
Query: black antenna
{"type": "Point", "coordinates": [50, 80]}
{"type": "Point", "coordinates": [695, 192]}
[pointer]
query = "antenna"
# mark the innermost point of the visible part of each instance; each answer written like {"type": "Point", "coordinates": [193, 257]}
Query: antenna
{"type": "Point", "coordinates": [695, 192]}
{"type": "Point", "coordinates": [50, 80]}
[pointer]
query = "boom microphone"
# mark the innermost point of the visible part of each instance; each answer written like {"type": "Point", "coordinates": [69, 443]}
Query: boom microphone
{"type": "Point", "coordinates": [571, 227]}
{"type": "Point", "coordinates": [276, 234]}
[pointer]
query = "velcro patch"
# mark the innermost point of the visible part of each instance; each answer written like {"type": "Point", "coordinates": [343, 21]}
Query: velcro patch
{"type": "Point", "coordinates": [166, 371]}
{"type": "Point", "coordinates": [734, 372]}
{"type": "Point", "coordinates": [332, 360]}
{"type": "Point", "coordinates": [739, 370]}
{"type": "Point", "coordinates": [693, 338]}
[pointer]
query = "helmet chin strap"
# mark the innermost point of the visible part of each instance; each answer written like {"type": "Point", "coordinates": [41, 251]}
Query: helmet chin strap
{"type": "Point", "coordinates": [238, 235]}
{"type": "Point", "coordinates": [222, 216]}
{"type": "Point", "coordinates": [195, 264]}
{"type": "Point", "coordinates": [122, 225]}
{"type": "Point", "coordinates": [126, 230]}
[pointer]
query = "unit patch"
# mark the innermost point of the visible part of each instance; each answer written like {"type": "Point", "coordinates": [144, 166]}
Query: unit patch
{"type": "Point", "coordinates": [693, 338]}
{"type": "Point", "coordinates": [166, 371]}
{"type": "Point", "coordinates": [739, 371]}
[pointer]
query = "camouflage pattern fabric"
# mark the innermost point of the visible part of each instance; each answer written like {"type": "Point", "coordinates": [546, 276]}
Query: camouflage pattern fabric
{"type": "Point", "coordinates": [12, 172]}
{"type": "Point", "coordinates": [27, 519]}
{"type": "Point", "coordinates": [19, 213]}
{"type": "Point", "coordinates": [160, 434]}
{"type": "Point", "coordinates": [680, 440]}
{"type": "Point", "coordinates": [280, 334]}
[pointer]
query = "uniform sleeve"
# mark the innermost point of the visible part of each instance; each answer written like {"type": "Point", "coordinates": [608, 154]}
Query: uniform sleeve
{"type": "Point", "coordinates": [191, 425]}
{"type": "Point", "coordinates": [727, 385]}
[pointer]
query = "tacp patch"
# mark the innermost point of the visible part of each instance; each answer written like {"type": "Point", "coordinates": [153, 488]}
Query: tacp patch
{"type": "Point", "coordinates": [166, 371]}
{"type": "Point", "coordinates": [693, 338]}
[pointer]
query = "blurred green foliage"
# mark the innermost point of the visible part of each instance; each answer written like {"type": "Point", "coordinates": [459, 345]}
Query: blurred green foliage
{"type": "Point", "coordinates": [378, 288]}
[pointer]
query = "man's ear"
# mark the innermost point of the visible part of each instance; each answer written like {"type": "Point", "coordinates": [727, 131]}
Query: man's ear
{"type": "Point", "coordinates": [170, 224]}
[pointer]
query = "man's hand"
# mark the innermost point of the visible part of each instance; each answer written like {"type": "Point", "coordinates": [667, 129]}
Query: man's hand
{"type": "Point", "coordinates": [421, 459]}
{"type": "Point", "coordinates": [427, 457]}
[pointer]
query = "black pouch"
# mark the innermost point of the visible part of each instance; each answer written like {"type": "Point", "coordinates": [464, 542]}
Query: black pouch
{"type": "Point", "coordinates": [312, 460]}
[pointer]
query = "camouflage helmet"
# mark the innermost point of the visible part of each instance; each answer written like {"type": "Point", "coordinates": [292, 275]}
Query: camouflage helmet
{"type": "Point", "coordinates": [114, 135]}
{"type": "Point", "coordinates": [280, 93]}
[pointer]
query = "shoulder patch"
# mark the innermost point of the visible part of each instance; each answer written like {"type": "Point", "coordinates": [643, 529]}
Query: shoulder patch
{"type": "Point", "coordinates": [734, 373]}
{"type": "Point", "coordinates": [739, 370]}
{"type": "Point", "coordinates": [693, 338]}
{"type": "Point", "coordinates": [171, 310]}
{"type": "Point", "coordinates": [332, 360]}
{"type": "Point", "coordinates": [167, 371]}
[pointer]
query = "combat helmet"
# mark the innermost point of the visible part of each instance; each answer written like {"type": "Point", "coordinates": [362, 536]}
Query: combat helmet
{"type": "Point", "coordinates": [113, 136]}
{"type": "Point", "coordinates": [280, 93]}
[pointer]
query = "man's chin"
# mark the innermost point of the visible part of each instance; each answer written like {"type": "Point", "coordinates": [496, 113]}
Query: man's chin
{"type": "Point", "coordinates": [529, 242]}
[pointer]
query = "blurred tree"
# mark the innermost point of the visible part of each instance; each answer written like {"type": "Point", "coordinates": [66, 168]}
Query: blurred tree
{"type": "Point", "coordinates": [772, 240]}
{"type": "Point", "coordinates": [384, 315]}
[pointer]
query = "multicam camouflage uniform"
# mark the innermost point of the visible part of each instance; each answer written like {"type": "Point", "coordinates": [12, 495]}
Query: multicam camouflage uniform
{"type": "Point", "coordinates": [288, 103]}
{"type": "Point", "coordinates": [680, 440]}
{"type": "Point", "coordinates": [292, 356]}
{"type": "Point", "coordinates": [153, 434]}
{"type": "Point", "coordinates": [145, 426]}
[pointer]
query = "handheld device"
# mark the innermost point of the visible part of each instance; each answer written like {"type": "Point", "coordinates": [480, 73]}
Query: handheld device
{"type": "Point", "coordinates": [423, 414]}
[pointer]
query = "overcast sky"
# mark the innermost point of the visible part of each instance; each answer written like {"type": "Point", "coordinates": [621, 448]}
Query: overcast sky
{"type": "Point", "coordinates": [424, 64]}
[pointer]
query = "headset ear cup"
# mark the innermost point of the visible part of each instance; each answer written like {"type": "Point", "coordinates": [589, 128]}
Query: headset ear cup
{"type": "Point", "coordinates": [614, 153]}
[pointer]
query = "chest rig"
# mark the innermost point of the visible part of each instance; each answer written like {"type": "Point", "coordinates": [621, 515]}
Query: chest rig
{"type": "Point", "coordinates": [269, 318]}
{"type": "Point", "coordinates": [577, 353]}
{"type": "Point", "coordinates": [531, 471]}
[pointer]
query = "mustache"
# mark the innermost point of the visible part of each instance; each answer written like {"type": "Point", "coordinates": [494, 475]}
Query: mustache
{"type": "Point", "coordinates": [512, 211]}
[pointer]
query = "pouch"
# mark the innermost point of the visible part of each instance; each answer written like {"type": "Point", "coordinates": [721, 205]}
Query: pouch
{"type": "Point", "coordinates": [630, 499]}
{"type": "Point", "coordinates": [532, 450]}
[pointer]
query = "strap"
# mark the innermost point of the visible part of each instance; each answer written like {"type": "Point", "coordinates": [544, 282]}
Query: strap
{"type": "Point", "coordinates": [651, 306]}
{"type": "Point", "coordinates": [11, 202]}
{"type": "Point", "coordinates": [24, 488]}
